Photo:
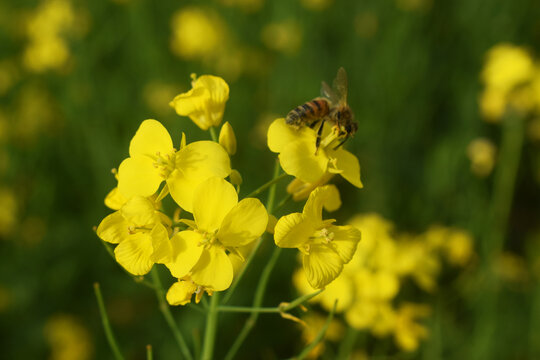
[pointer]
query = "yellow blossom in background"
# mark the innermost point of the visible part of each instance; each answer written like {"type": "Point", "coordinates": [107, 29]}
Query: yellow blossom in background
{"type": "Point", "coordinates": [154, 160]}
{"type": "Point", "coordinates": [68, 338]}
{"type": "Point", "coordinates": [300, 158]}
{"type": "Point", "coordinates": [221, 225]}
{"type": "Point", "coordinates": [8, 211]}
{"type": "Point", "coordinates": [46, 29]}
{"type": "Point", "coordinates": [310, 327]}
{"type": "Point", "coordinates": [407, 331]}
{"type": "Point", "coordinates": [157, 96]}
{"type": "Point", "coordinates": [316, 5]}
{"type": "Point", "coordinates": [205, 102]}
{"type": "Point", "coordinates": [196, 33]}
{"type": "Point", "coordinates": [481, 153]}
{"type": "Point", "coordinates": [366, 24]}
{"type": "Point", "coordinates": [9, 75]}
{"type": "Point", "coordinates": [285, 36]}
{"type": "Point", "coordinates": [325, 247]}
{"type": "Point", "coordinates": [506, 66]}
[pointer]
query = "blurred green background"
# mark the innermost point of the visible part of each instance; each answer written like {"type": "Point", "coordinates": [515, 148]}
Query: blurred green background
{"type": "Point", "coordinates": [414, 83]}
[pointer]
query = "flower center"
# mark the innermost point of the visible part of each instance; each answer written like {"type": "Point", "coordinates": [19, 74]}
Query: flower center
{"type": "Point", "coordinates": [165, 163]}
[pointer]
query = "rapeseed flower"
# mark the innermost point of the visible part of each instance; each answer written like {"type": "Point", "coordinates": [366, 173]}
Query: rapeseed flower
{"type": "Point", "coordinates": [325, 247]}
{"type": "Point", "coordinates": [136, 227]}
{"type": "Point", "coordinates": [154, 160]}
{"type": "Point", "coordinates": [300, 158]}
{"type": "Point", "coordinates": [205, 102]}
{"type": "Point", "coordinates": [221, 225]}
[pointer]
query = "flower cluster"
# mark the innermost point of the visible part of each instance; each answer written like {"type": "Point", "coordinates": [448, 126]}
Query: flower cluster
{"type": "Point", "coordinates": [370, 283]}
{"type": "Point", "coordinates": [197, 248]}
{"type": "Point", "coordinates": [512, 78]}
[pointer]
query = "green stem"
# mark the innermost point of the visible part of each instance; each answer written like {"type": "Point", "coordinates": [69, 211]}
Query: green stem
{"type": "Point", "coordinates": [106, 325]}
{"type": "Point", "coordinates": [278, 309]}
{"type": "Point", "coordinates": [149, 355]}
{"type": "Point", "coordinates": [259, 296]}
{"type": "Point", "coordinates": [504, 185]}
{"type": "Point", "coordinates": [267, 185]}
{"type": "Point", "coordinates": [347, 344]}
{"type": "Point", "coordinates": [213, 133]}
{"type": "Point", "coordinates": [211, 328]}
{"type": "Point", "coordinates": [319, 337]}
{"type": "Point", "coordinates": [165, 310]}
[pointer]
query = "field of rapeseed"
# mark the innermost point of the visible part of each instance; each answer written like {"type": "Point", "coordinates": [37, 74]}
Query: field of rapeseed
{"type": "Point", "coordinates": [251, 179]}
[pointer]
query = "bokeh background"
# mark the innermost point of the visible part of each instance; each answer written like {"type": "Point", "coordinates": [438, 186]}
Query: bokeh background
{"type": "Point", "coordinates": [78, 77]}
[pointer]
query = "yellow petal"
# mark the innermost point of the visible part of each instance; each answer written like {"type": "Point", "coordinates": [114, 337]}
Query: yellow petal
{"type": "Point", "coordinates": [227, 138]}
{"type": "Point", "coordinates": [134, 253]}
{"type": "Point", "coordinates": [214, 198]}
{"type": "Point", "coordinates": [349, 166]}
{"type": "Point", "coordinates": [162, 247]}
{"type": "Point", "coordinates": [345, 240]}
{"type": "Point", "coordinates": [185, 252]}
{"type": "Point", "coordinates": [214, 270]}
{"type": "Point", "coordinates": [244, 223]}
{"type": "Point", "coordinates": [180, 292]}
{"type": "Point", "coordinates": [195, 163]}
{"type": "Point", "coordinates": [114, 199]}
{"type": "Point", "coordinates": [137, 176]}
{"type": "Point", "coordinates": [322, 265]}
{"type": "Point", "coordinates": [113, 229]}
{"type": "Point", "coordinates": [299, 159]}
{"type": "Point", "coordinates": [280, 134]}
{"type": "Point", "coordinates": [327, 196]}
{"type": "Point", "coordinates": [139, 211]}
{"type": "Point", "coordinates": [151, 138]}
{"type": "Point", "coordinates": [293, 230]}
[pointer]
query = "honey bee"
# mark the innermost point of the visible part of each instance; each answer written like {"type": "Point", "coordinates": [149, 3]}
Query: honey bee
{"type": "Point", "coordinates": [331, 106]}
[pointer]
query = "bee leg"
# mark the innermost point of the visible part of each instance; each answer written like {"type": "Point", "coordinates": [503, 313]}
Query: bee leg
{"type": "Point", "coordinates": [341, 143]}
{"type": "Point", "coordinates": [319, 135]}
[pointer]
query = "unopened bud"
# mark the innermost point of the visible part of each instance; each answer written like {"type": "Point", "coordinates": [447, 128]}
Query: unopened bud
{"type": "Point", "coordinates": [227, 139]}
{"type": "Point", "coordinates": [235, 177]}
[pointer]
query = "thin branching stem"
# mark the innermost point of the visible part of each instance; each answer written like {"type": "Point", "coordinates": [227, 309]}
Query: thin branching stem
{"type": "Point", "coordinates": [166, 311]}
{"type": "Point", "coordinates": [211, 328]}
{"type": "Point", "coordinates": [106, 324]}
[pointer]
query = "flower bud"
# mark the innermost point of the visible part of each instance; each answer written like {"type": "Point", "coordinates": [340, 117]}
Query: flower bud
{"type": "Point", "coordinates": [227, 139]}
{"type": "Point", "coordinates": [235, 177]}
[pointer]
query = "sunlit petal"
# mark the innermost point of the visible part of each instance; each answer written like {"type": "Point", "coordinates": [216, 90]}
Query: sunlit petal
{"type": "Point", "coordinates": [299, 159]}
{"type": "Point", "coordinates": [244, 223]}
{"type": "Point", "coordinates": [151, 138]}
{"type": "Point", "coordinates": [293, 230]}
{"type": "Point", "coordinates": [214, 198]}
{"type": "Point", "coordinates": [137, 176]}
{"type": "Point", "coordinates": [214, 269]}
{"type": "Point", "coordinates": [180, 292]}
{"type": "Point", "coordinates": [345, 240]}
{"type": "Point", "coordinates": [139, 211]}
{"type": "Point", "coordinates": [280, 134]}
{"type": "Point", "coordinates": [113, 229]}
{"type": "Point", "coordinates": [186, 251]}
{"type": "Point", "coordinates": [134, 253]}
{"type": "Point", "coordinates": [322, 265]}
{"type": "Point", "coordinates": [349, 165]}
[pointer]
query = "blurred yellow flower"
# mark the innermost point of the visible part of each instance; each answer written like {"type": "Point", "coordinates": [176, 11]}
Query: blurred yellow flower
{"type": "Point", "coordinates": [481, 153]}
{"type": "Point", "coordinates": [205, 102]}
{"type": "Point", "coordinates": [284, 36]}
{"type": "Point", "coordinates": [68, 338]}
{"type": "Point", "coordinates": [221, 224]}
{"type": "Point", "coordinates": [507, 66]}
{"type": "Point", "coordinates": [196, 33]}
{"type": "Point", "coordinates": [408, 332]}
{"type": "Point", "coordinates": [300, 158]}
{"type": "Point", "coordinates": [325, 247]}
{"type": "Point", "coordinates": [317, 5]}
{"type": "Point", "coordinates": [154, 160]}
{"type": "Point", "coordinates": [8, 211]}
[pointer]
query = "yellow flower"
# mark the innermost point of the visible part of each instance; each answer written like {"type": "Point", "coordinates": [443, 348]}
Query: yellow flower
{"type": "Point", "coordinates": [407, 332]}
{"type": "Point", "coordinates": [205, 102]}
{"type": "Point", "coordinates": [196, 33]}
{"type": "Point", "coordinates": [506, 67]}
{"type": "Point", "coordinates": [154, 160]}
{"type": "Point", "coordinates": [221, 225]}
{"type": "Point", "coordinates": [299, 157]}
{"type": "Point", "coordinates": [283, 36]}
{"type": "Point", "coordinates": [481, 152]}
{"type": "Point", "coordinates": [136, 227]}
{"type": "Point", "coordinates": [324, 246]}
{"type": "Point", "coordinates": [227, 138]}
{"type": "Point", "coordinates": [68, 338]}
{"type": "Point", "coordinates": [180, 292]}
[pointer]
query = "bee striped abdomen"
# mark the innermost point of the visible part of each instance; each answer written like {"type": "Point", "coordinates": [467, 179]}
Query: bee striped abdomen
{"type": "Point", "coordinates": [308, 113]}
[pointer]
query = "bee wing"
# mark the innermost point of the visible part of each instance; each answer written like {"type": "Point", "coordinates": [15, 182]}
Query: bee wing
{"type": "Point", "coordinates": [327, 92]}
{"type": "Point", "coordinates": [340, 85]}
